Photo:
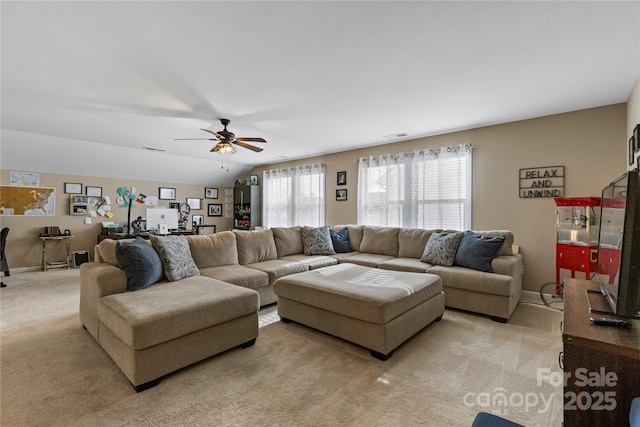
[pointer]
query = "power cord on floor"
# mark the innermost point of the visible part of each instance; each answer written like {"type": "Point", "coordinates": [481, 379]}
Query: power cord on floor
{"type": "Point", "coordinates": [552, 293]}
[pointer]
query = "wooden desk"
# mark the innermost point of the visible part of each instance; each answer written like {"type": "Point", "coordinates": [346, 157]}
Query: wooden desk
{"type": "Point", "coordinates": [46, 265]}
{"type": "Point", "coordinates": [591, 350]}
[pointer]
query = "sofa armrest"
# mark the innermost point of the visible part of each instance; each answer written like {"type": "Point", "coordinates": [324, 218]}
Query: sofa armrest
{"type": "Point", "coordinates": [510, 265]}
{"type": "Point", "coordinates": [96, 281]}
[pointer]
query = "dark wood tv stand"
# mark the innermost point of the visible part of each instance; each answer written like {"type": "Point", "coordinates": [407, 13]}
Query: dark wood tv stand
{"type": "Point", "coordinates": [591, 351]}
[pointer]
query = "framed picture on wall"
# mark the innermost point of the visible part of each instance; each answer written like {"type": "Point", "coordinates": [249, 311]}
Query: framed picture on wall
{"type": "Point", "coordinates": [72, 188]}
{"type": "Point", "coordinates": [174, 205]}
{"type": "Point", "coordinates": [194, 203]}
{"type": "Point", "coordinates": [253, 180]}
{"type": "Point", "coordinates": [197, 220]}
{"type": "Point", "coordinates": [167, 193]}
{"type": "Point", "coordinates": [215, 209]}
{"type": "Point", "coordinates": [341, 195]}
{"type": "Point", "coordinates": [93, 191]}
{"type": "Point", "coordinates": [636, 136]}
{"type": "Point", "coordinates": [632, 150]}
{"type": "Point", "coordinates": [342, 178]}
{"type": "Point", "coordinates": [210, 193]}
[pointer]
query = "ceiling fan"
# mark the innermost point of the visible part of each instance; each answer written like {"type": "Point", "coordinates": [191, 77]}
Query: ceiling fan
{"type": "Point", "coordinates": [226, 139]}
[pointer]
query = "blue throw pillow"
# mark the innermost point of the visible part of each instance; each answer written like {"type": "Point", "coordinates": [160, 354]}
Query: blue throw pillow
{"type": "Point", "coordinates": [140, 263]}
{"type": "Point", "coordinates": [477, 252]}
{"type": "Point", "coordinates": [340, 240]}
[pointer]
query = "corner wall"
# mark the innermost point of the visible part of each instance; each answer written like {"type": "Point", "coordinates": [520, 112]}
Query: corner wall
{"type": "Point", "coordinates": [591, 144]}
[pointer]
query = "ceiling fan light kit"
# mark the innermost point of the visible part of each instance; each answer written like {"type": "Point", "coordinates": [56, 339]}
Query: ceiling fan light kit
{"type": "Point", "coordinates": [226, 139]}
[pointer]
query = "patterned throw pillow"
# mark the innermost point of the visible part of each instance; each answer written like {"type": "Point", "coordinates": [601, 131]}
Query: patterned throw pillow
{"type": "Point", "coordinates": [140, 263]}
{"type": "Point", "coordinates": [176, 257]}
{"type": "Point", "coordinates": [340, 240]}
{"type": "Point", "coordinates": [441, 248]}
{"type": "Point", "coordinates": [317, 241]}
{"type": "Point", "coordinates": [477, 252]}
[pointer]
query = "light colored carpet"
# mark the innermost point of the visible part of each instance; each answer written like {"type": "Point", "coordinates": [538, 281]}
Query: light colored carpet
{"type": "Point", "coordinates": [53, 373]}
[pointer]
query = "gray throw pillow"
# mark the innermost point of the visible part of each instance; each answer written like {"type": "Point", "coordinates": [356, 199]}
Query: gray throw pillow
{"type": "Point", "coordinates": [176, 257]}
{"type": "Point", "coordinates": [477, 252]}
{"type": "Point", "coordinates": [340, 240]}
{"type": "Point", "coordinates": [140, 263]}
{"type": "Point", "coordinates": [441, 248]}
{"type": "Point", "coordinates": [317, 241]}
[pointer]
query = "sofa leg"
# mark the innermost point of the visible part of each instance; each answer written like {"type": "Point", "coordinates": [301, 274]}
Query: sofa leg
{"type": "Point", "coordinates": [284, 320]}
{"type": "Point", "coordinates": [499, 319]}
{"type": "Point", "coordinates": [380, 356]}
{"type": "Point", "coordinates": [439, 318]}
{"type": "Point", "coordinates": [248, 343]}
{"type": "Point", "coordinates": [147, 385]}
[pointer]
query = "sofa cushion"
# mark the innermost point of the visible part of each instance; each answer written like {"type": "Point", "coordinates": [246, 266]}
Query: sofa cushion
{"type": "Point", "coordinates": [237, 275]}
{"type": "Point", "coordinates": [473, 280]}
{"type": "Point", "coordinates": [312, 261]}
{"type": "Point", "coordinates": [413, 265]}
{"type": "Point", "coordinates": [365, 259]}
{"type": "Point", "coordinates": [107, 250]}
{"type": "Point", "coordinates": [140, 263]}
{"type": "Point", "coordinates": [508, 239]}
{"type": "Point", "coordinates": [380, 240]}
{"type": "Point", "coordinates": [441, 248]}
{"type": "Point", "coordinates": [176, 257]}
{"type": "Point", "coordinates": [476, 251]}
{"type": "Point", "coordinates": [340, 240]}
{"type": "Point", "coordinates": [288, 240]}
{"type": "Point", "coordinates": [412, 241]}
{"type": "Point", "coordinates": [170, 310]}
{"type": "Point", "coordinates": [255, 246]}
{"type": "Point", "coordinates": [317, 241]}
{"type": "Point", "coordinates": [277, 268]}
{"type": "Point", "coordinates": [214, 250]}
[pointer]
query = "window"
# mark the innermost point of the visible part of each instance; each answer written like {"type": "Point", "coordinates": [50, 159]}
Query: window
{"type": "Point", "coordinates": [425, 189]}
{"type": "Point", "coordinates": [294, 196]}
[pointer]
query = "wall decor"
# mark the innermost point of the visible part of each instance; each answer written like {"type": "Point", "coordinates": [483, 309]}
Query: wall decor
{"type": "Point", "coordinates": [31, 201]}
{"type": "Point", "coordinates": [636, 136]}
{"type": "Point", "coordinates": [166, 193]}
{"type": "Point", "coordinates": [546, 181]}
{"type": "Point", "coordinates": [210, 193]}
{"type": "Point", "coordinates": [24, 179]}
{"type": "Point", "coordinates": [253, 180]}
{"type": "Point", "coordinates": [342, 178]}
{"type": "Point", "coordinates": [93, 191]}
{"type": "Point", "coordinates": [341, 195]}
{"type": "Point", "coordinates": [197, 220]}
{"type": "Point", "coordinates": [174, 205]}
{"type": "Point", "coordinates": [215, 209]}
{"type": "Point", "coordinates": [194, 203]}
{"type": "Point", "coordinates": [632, 149]}
{"type": "Point", "coordinates": [72, 188]}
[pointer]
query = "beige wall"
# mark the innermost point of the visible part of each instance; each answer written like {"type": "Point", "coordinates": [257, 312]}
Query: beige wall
{"type": "Point", "coordinates": [591, 144]}
{"type": "Point", "coordinates": [633, 113]}
{"type": "Point", "coordinates": [24, 248]}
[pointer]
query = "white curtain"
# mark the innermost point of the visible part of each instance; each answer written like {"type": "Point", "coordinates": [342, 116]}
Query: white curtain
{"type": "Point", "coordinates": [294, 196]}
{"type": "Point", "coordinates": [424, 189]}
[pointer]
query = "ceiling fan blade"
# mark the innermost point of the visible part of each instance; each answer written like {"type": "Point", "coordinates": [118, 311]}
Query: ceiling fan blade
{"type": "Point", "coordinates": [213, 133]}
{"type": "Point", "coordinates": [194, 139]}
{"type": "Point", "coordinates": [251, 139]}
{"type": "Point", "coordinates": [250, 147]}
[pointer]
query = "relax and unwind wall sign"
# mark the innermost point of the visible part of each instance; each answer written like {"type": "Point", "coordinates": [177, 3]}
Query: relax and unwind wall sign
{"type": "Point", "coordinates": [540, 182]}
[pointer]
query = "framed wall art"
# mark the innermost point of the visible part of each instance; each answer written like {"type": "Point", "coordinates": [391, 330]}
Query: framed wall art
{"type": "Point", "coordinates": [215, 209]}
{"type": "Point", "coordinates": [194, 203]}
{"type": "Point", "coordinates": [341, 195]}
{"type": "Point", "coordinates": [72, 188]}
{"type": "Point", "coordinates": [210, 193]}
{"type": "Point", "coordinates": [93, 191]}
{"type": "Point", "coordinates": [342, 178]}
{"type": "Point", "coordinates": [166, 193]}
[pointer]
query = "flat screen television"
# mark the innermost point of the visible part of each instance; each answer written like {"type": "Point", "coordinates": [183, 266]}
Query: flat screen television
{"type": "Point", "coordinates": [618, 268]}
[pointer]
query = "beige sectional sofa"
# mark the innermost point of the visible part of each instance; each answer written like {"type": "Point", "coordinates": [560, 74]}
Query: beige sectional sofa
{"type": "Point", "coordinates": [237, 269]}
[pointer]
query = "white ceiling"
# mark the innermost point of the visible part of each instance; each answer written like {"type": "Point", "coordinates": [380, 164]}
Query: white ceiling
{"type": "Point", "coordinates": [86, 85]}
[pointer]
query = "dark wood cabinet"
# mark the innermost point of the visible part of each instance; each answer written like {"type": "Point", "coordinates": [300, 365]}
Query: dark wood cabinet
{"type": "Point", "coordinates": [247, 209]}
{"type": "Point", "coordinates": [601, 363]}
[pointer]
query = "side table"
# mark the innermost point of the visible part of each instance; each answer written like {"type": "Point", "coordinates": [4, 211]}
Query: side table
{"type": "Point", "coordinates": [56, 264]}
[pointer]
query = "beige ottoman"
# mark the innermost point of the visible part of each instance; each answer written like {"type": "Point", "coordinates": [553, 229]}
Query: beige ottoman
{"type": "Point", "coordinates": [377, 309]}
{"type": "Point", "coordinates": [163, 328]}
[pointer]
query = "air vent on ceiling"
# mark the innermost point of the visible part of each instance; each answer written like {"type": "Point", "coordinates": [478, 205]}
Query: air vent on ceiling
{"type": "Point", "coordinates": [154, 149]}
